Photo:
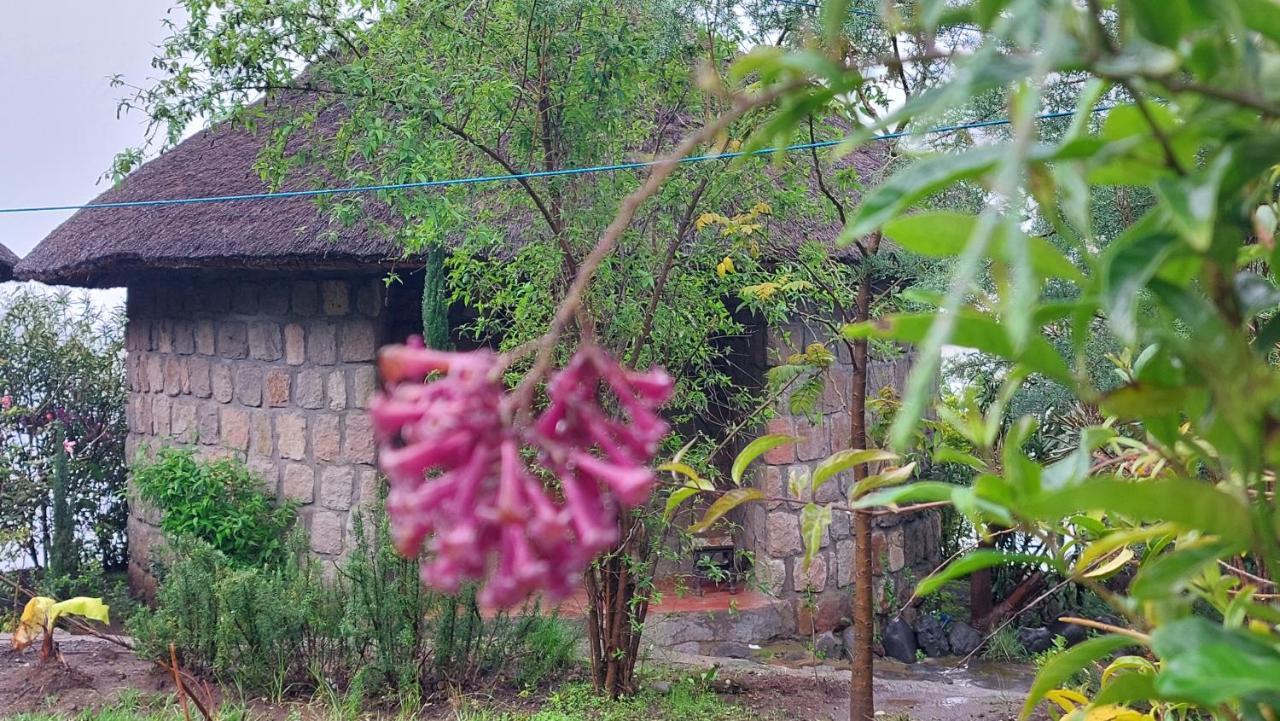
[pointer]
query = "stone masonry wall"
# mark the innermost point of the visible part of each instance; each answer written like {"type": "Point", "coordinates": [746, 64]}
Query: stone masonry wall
{"type": "Point", "coordinates": [905, 549]}
{"type": "Point", "coordinates": [276, 372]}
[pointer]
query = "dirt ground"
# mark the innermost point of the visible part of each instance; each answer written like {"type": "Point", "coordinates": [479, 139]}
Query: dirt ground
{"type": "Point", "coordinates": [97, 673]}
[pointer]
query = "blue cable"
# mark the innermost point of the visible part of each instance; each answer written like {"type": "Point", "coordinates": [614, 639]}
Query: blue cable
{"type": "Point", "coordinates": [517, 176]}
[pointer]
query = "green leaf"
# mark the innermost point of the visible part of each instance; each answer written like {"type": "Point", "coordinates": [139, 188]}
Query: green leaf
{"type": "Point", "coordinates": [943, 234]}
{"type": "Point", "coordinates": [842, 461]}
{"type": "Point", "coordinates": [1204, 663]}
{"type": "Point", "coordinates": [1160, 21]}
{"type": "Point", "coordinates": [1127, 265]}
{"type": "Point", "coordinates": [678, 496]}
{"type": "Point", "coordinates": [1192, 203]}
{"type": "Point", "coordinates": [917, 182]}
{"type": "Point", "coordinates": [1262, 16]}
{"type": "Point", "coordinates": [976, 561]}
{"type": "Point", "coordinates": [972, 330]}
{"type": "Point", "coordinates": [725, 503]}
{"type": "Point", "coordinates": [891, 477]}
{"type": "Point", "coordinates": [814, 520]}
{"type": "Point", "coordinates": [1061, 667]}
{"type": "Point", "coordinates": [1168, 574]}
{"type": "Point", "coordinates": [1192, 505]}
{"type": "Point", "coordinates": [754, 450]}
{"type": "Point", "coordinates": [922, 492]}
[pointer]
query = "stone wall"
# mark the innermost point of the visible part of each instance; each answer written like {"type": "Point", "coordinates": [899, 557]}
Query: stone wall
{"type": "Point", "coordinates": [904, 549]}
{"type": "Point", "coordinates": [276, 372]}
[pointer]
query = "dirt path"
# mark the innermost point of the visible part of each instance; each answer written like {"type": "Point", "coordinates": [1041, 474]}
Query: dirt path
{"type": "Point", "coordinates": [931, 691]}
{"type": "Point", "coordinates": [95, 675]}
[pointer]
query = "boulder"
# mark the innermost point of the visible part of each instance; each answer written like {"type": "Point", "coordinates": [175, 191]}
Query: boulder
{"type": "Point", "coordinates": [899, 641]}
{"type": "Point", "coordinates": [846, 641]}
{"type": "Point", "coordinates": [1035, 640]}
{"type": "Point", "coordinates": [828, 646]}
{"type": "Point", "coordinates": [964, 639]}
{"type": "Point", "coordinates": [932, 636]}
{"type": "Point", "coordinates": [1071, 632]}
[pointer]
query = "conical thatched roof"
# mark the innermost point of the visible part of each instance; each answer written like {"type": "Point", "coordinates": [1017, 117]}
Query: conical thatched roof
{"type": "Point", "coordinates": [7, 260]}
{"type": "Point", "coordinates": [107, 247]}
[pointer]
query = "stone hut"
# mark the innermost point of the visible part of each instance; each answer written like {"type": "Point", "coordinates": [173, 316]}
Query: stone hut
{"type": "Point", "coordinates": [252, 330]}
{"type": "Point", "coordinates": [7, 260]}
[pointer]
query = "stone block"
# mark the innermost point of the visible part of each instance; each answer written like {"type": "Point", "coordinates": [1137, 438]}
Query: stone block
{"type": "Point", "coordinates": [772, 575]}
{"type": "Point", "coordinates": [326, 439]}
{"type": "Point", "coordinates": [336, 388]}
{"type": "Point", "coordinates": [335, 297]}
{"type": "Point", "coordinates": [815, 440]}
{"type": "Point", "coordinates": [183, 423]}
{"type": "Point", "coordinates": [294, 348]}
{"type": "Point", "coordinates": [304, 297]}
{"type": "Point", "coordinates": [357, 439]}
{"type": "Point", "coordinates": [164, 335]}
{"type": "Point", "coordinates": [326, 531]}
{"type": "Point", "coordinates": [215, 297]}
{"type": "Point", "coordinates": [299, 483]}
{"type": "Point", "coordinates": [813, 578]}
{"type": "Point", "coordinates": [249, 386]}
{"type": "Point", "coordinates": [291, 435]}
{"type": "Point", "coordinates": [369, 297]}
{"type": "Point", "coordinates": [174, 375]}
{"type": "Point", "coordinates": [364, 381]}
{"type": "Point", "coordinates": [322, 348]}
{"type": "Point", "coordinates": [184, 338]}
{"type": "Point", "coordinates": [221, 386]}
{"type": "Point", "coordinates": [276, 387]}
{"type": "Point", "coordinates": [337, 485]}
{"type": "Point", "coordinates": [233, 339]}
{"type": "Point", "coordinates": [155, 373]}
{"type": "Point", "coordinates": [264, 340]}
{"type": "Point", "coordinates": [136, 335]}
{"type": "Point", "coordinates": [835, 389]}
{"type": "Point", "coordinates": [896, 552]}
{"type": "Point", "coordinates": [265, 469]}
{"type": "Point", "coordinates": [845, 562]}
{"type": "Point", "coordinates": [771, 484]}
{"type": "Point", "coordinates": [310, 391]}
{"type": "Point", "coordinates": [207, 424]}
{"type": "Point", "coordinates": [160, 414]}
{"type": "Point", "coordinates": [261, 442]}
{"type": "Point", "coordinates": [198, 377]}
{"type": "Point", "coordinates": [245, 298]}
{"type": "Point", "coordinates": [799, 484]}
{"type": "Point", "coordinates": [235, 428]}
{"type": "Point", "coordinates": [359, 342]}
{"type": "Point", "coordinates": [368, 486]}
{"type": "Point", "coordinates": [785, 453]}
{"type": "Point", "coordinates": [205, 338]}
{"type": "Point", "coordinates": [841, 525]}
{"type": "Point", "coordinates": [273, 298]}
{"type": "Point", "coordinates": [782, 534]}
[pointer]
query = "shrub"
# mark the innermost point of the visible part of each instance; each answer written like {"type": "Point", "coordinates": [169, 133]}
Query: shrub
{"type": "Point", "coordinates": [370, 631]}
{"type": "Point", "coordinates": [219, 502]}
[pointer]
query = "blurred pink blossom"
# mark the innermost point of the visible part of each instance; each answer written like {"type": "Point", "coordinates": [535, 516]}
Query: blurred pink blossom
{"type": "Point", "coordinates": [69, 446]}
{"type": "Point", "coordinates": [6, 402]}
{"type": "Point", "coordinates": [467, 481]}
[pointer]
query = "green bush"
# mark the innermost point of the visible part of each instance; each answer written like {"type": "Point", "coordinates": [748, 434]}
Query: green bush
{"type": "Point", "coordinates": [219, 502]}
{"type": "Point", "coordinates": [371, 630]}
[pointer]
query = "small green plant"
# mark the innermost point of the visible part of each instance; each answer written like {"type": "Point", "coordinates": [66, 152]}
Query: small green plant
{"type": "Point", "coordinates": [220, 502]}
{"type": "Point", "coordinates": [1003, 645]}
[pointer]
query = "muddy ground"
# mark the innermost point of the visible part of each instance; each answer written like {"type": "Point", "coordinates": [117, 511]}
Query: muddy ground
{"type": "Point", "coordinates": [97, 674]}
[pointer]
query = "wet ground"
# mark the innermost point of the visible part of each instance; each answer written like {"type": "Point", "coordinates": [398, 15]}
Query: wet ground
{"type": "Point", "coordinates": [787, 679]}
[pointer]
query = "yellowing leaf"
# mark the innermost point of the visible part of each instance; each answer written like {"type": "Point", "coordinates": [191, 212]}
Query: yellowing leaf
{"type": "Point", "coordinates": [90, 608]}
{"type": "Point", "coordinates": [724, 267]}
{"type": "Point", "coordinates": [1116, 713]}
{"type": "Point", "coordinates": [1066, 699]}
{"type": "Point", "coordinates": [1112, 565]}
{"type": "Point", "coordinates": [35, 617]}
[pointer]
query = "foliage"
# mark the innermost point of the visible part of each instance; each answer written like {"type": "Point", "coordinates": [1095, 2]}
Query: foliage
{"type": "Point", "coordinates": [369, 632]}
{"type": "Point", "coordinates": [1004, 646]}
{"type": "Point", "coordinates": [218, 501]}
{"type": "Point", "coordinates": [62, 394]}
{"type": "Point", "coordinates": [1184, 494]}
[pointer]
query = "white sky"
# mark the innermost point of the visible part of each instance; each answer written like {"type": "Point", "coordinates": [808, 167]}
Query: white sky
{"type": "Point", "coordinates": [58, 126]}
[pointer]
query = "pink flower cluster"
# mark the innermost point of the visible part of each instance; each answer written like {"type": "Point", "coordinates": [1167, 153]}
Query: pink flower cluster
{"type": "Point", "coordinates": [466, 475]}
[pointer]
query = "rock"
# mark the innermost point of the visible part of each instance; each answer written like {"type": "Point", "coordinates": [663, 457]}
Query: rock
{"type": "Point", "coordinates": [661, 687]}
{"type": "Point", "coordinates": [1071, 632]}
{"type": "Point", "coordinates": [931, 636]}
{"type": "Point", "coordinates": [899, 641]}
{"type": "Point", "coordinates": [964, 639]}
{"type": "Point", "coordinates": [1035, 640]}
{"type": "Point", "coordinates": [828, 646]}
{"type": "Point", "coordinates": [846, 641]}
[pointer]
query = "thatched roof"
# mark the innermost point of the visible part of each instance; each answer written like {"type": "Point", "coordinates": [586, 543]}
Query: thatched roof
{"type": "Point", "coordinates": [109, 246]}
{"type": "Point", "coordinates": [7, 260]}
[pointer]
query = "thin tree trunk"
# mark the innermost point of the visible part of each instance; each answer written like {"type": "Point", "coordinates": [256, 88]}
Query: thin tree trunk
{"type": "Point", "coordinates": [861, 693]}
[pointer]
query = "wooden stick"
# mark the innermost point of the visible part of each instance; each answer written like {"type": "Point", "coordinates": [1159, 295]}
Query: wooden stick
{"type": "Point", "coordinates": [177, 679]}
{"type": "Point", "coordinates": [1100, 626]}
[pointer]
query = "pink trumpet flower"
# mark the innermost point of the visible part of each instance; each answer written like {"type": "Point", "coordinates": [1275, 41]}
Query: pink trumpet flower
{"type": "Point", "coordinates": [465, 473]}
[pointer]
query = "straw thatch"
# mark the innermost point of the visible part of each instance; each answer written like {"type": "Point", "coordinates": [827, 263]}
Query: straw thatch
{"type": "Point", "coordinates": [110, 246]}
{"type": "Point", "coordinates": [7, 260]}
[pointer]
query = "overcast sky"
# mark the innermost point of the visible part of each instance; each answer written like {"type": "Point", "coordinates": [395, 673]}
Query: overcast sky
{"type": "Point", "coordinates": [58, 127]}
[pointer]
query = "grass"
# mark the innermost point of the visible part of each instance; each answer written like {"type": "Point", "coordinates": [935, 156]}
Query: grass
{"type": "Point", "coordinates": [687, 699]}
